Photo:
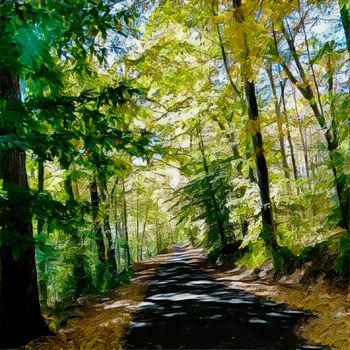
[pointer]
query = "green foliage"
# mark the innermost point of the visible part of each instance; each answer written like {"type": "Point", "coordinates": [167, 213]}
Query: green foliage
{"type": "Point", "coordinates": [74, 116]}
{"type": "Point", "coordinates": [255, 256]}
{"type": "Point", "coordinates": [284, 260]}
{"type": "Point", "coordinates": [205, 193]}
{"type": "Point", "coordinates": [343, 262]}
{"type": "Point", "coordinates": [164, 134]}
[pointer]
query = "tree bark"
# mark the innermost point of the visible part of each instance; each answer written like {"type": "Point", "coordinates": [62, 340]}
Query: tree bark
{"type": "Point", "coordinates": [126, 232]}
{"type": "Point", "coordinates": [289, 138]}
{"type": "Point", "coordinates": [268, 232]}
{"type": "Point", "coordinates": [137, 227]}
{"type": "Point", "coordinates": [81, 278]}
{"type": "Point", "coordinates": [42, 265]}
{"type": "Point", "coordinates": [112, 265]}
{"type": "Point", "coordinates": [117, 228]}
{"type": "Point", "coordinates": [144, 232]}
{"type": "Point", "coordinates": [345, 19]}
{"type": "Point", "coordinates": [261, 168]}
{"type": "Point", "coordinates": [20, 314]}
{"type": "Point", "coordinates": [329, 132]}
{"type": "Point", "coordinates": [268, 225]}
{"type": "Point", "coordinates": [303, 141]}
{"type": "Point", "coordinates": [286, 169]}
{"type": "Point", "coordinates": [97, 227]}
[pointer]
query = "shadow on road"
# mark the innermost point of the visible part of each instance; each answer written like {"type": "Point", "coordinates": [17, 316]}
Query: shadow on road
{"type": "Point", "coordinates": [185, 309]}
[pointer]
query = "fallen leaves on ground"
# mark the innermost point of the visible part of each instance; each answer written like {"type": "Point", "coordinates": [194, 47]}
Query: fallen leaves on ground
{"type": "Point", "coordinates": [101, 322]}
{"type": "Point", "coordinates": [330, 304]}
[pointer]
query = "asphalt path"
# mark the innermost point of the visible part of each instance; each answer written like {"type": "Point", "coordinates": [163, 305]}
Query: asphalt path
{"type": "Point", "coordinates": [186, 309]}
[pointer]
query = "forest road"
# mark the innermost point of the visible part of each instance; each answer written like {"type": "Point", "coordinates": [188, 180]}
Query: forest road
{"type": "Point", "coordinates": [186, 309]}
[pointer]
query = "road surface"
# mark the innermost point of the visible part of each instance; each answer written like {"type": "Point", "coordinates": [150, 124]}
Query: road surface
{"type": "Point", "coordinates": [186, 309]}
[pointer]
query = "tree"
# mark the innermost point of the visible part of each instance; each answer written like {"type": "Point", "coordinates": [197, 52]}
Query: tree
{"type": "Point", "coordinates": [309, 87]}
{"type": "Point", "coordinates": [345, 19]}
{"type": "Point", "coordinates": [268, 223]}
{"type": "Point", "coordinates": [19, 299]}
{"type": "Point", "coordinates": [35, 39]}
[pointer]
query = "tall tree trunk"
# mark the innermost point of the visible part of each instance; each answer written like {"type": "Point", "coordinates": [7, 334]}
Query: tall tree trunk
{"type": "Point", "coordinates": [144, 232]}
{"type": "Point", "coordinates": [80, 276]}
{"type": "Point", "coordinates": [303, 141]}
{"type": "Point", "coordinates": [330, 133]}
{"type": "Point", "coordinates": [279, 123]}
{"type": "Point", "coordinates": [118, 230]}
{"type": "Point", "coordinates": [230, 135]}
{"type": "Point", "coordinates": [126, 232]}
{"type": "Point", "coordinates": [117, 227]}
{"type": "Point", "coordinates": [158, 237]}
{"type": "Point", "coordinates": [268, 224]}
{"type": "Point", "coordinates": [42, 276]}
{"type": "Point", "coordinates": [97, 227]}
{"type": "Point", "coordinates": [345, 19]}
{"type": "Point", "coordinates": [311, 64]}
{"type": "Point", "coordinates": [112, 265]}
{"type": "Point", "coordinates": [137, 227]}
{"type": "Point", "coordinates": [20, 315]}
{"type": "Point", "coordinates": [289, 138]}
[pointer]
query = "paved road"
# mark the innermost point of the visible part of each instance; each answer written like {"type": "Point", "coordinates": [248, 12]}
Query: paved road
{"type": "Point", "coordinates": [186, 309]}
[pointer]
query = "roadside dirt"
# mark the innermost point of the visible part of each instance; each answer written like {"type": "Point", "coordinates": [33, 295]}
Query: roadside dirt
{"type": "Point", "coordinates": [185, 308]}
{"type": "Point", "coordinates": [100, 322]}
{"type": "Point", "coordinates": [329, 304]}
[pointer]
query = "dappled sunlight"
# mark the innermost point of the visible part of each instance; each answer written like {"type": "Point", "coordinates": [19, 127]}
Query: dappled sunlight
{"type": "Point", "coordinates": [182, 302]}
{"type": "Point", "coordinates": [257, 320]}
{"type": "Point", "coordinates": [102, 321]}
{"type": "Point", "coordinates": [120, 303]}
{"type": "Point", "coordinates": [140, 324]}
{"type": "Point", "coordinates": [330, 304]}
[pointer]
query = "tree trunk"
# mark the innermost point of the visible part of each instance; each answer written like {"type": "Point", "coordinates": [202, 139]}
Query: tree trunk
{"type": "Point", "coordinates": [144, 231]}
{"type": "Point", "coordinates": [268, 233]}
{"type": "Point", "coordinates": [311, 64]}
{"type": "Point", "coordinates": [158, 237]}
{"type": "Point", "coordinates": [125, 214]}
{"type": "Point", "coordinates": [20, 315]}
{"type": "Point", "coordinates": [329, 132]}
{"type": "Point", "coordinates": [137, 227]}
{"type": "Point", "coordinates": [42, 265]}
{"type": "Point", "coordinates": [345, 19]}
{"type": "Point", "coordinates": [97, 227]}
{"type": "Point", "coordinates": [81, 278]}
{"type": "Point", "coordinates": [118, 231]}
{"type": "Point", "coordinates": [279, 123]}
{"type": "Point", "coordinates": [289, 138]}
{"type": "Point", "coordinates": [117, 227]}
{"type": "Point", "coordinates": [303, 141]}
{"type": "Point", "coordinates": [112, 265]}
{"type": "Point", "coordinates": [230, 136]}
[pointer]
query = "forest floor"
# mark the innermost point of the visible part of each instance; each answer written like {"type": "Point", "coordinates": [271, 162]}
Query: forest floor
{"type": "Point", "coordinates": [329, 304]}
{"type": "Point", "coordinates": [99, 322]}
{"type": "Point", "coordinates": [120, 317]}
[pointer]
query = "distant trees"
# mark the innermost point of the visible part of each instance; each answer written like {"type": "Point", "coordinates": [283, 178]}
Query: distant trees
{"type": "Point", "coordinates": [227, 50]}
{"type": "Point", "coordinates": [232, 119]}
